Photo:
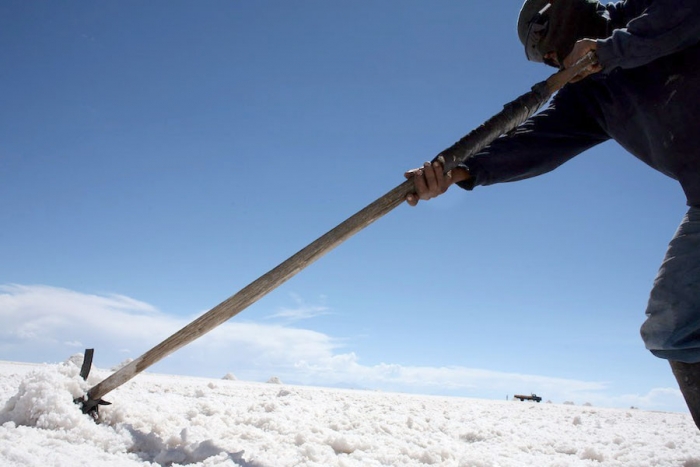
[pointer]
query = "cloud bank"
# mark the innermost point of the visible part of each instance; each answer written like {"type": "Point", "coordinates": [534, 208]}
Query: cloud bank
{"type": "Point", "coordinates": [47, 324]}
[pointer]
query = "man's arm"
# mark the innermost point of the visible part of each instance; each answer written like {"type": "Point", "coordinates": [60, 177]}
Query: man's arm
{"type": "Point", "coordinates": [565, 129]}
{"type": "Point", "coordinates": [541, 144]}
{"type": "Point", "coordinates": [662, 28]}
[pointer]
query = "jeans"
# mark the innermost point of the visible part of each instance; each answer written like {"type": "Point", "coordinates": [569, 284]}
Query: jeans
{"type": "Point", "coordinates": [672, 328]}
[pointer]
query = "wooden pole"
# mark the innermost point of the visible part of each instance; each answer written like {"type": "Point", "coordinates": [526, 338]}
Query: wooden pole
{"type": "Point", "coordinates": [256, 289]}
{"type": "Point", "coordinates": [510, 117]}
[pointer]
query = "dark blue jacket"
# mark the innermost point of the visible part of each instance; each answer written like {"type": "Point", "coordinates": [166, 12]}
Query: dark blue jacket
{"type": "Point", "coordinates": [647, 99]}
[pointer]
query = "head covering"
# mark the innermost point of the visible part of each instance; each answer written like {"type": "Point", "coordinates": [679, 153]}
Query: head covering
{"type": "Point", "coordinates": [555, 26]}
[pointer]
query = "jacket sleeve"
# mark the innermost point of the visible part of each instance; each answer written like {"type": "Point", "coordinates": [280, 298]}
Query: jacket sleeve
{"type": "Point", "coordinates": [647, 31]}
{"type": "Point", "coordinates": [541, 144]}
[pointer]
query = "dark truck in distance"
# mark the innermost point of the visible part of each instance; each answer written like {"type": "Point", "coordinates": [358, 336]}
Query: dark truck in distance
{"type": "Point", "coordinates": [531, 397]}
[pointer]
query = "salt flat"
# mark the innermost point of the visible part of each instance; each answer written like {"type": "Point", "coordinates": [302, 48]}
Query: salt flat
{"type": "Point", "coordinates": [163, 420]}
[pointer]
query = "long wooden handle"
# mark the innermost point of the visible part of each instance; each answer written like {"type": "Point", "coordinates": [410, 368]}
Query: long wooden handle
{"type": "Point", "coordinates": [513, 114]}
{"type": "Point", "coordinates": [256, 289]}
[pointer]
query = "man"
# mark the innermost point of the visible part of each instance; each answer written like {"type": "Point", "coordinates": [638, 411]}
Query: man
{"type": "Point", "coordinates": [644, 93]}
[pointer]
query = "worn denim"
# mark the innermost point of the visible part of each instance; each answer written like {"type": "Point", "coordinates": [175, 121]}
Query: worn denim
{"type": "Point", "coordinates": [672, 328]}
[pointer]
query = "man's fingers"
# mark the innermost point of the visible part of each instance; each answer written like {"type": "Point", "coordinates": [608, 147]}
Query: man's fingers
{"type": "Point", "coordinates": [580, 50]}
{"type": "Point", "coordinates": [420, 184]}
{"type": "Point", "coordinates": [429, 182]}
{"type": "Point", "coordinates": [443, 178]}
{"type": "Point", "coordinates": [410, 173]}
{"type": "Point", "coordinates": [431, 178]}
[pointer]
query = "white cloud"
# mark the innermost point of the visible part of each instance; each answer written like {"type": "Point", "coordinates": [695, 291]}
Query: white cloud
{"type": "Point", "coordinates": [44, 313]}
{"type": "Point", "coordinates": [299, 312]}
{"type": "Point", "coordinates": [41, 323]}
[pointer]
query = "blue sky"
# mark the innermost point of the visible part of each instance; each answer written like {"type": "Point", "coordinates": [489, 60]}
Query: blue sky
{"type": "Point", "coordinates": [157, 157]}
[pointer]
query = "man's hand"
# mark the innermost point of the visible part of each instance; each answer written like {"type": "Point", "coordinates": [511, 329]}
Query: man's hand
{"type": "Point", "coordinates": [581, 48]}
{"type": "Point", "coordinates": [430, 181]}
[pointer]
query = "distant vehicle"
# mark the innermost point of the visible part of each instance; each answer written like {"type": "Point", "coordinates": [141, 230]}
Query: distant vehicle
{"type": "Point", "coordinates": [531, 397]}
